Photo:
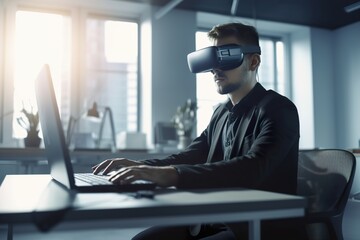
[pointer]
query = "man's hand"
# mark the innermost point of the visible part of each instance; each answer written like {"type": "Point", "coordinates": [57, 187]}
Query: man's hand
{"type": "Point", "coordinates": [113, 164]}
{"type": "Point", "coordinates": [128, 171]}
{"type": "Point", "coordinates": [162, 176]}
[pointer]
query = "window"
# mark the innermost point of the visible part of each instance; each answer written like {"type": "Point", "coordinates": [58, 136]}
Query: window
{"type": "Point", "coordinates": [93, 58]}
{"type": "Point", "coordinates": [271, 76]}
{"type": "Point", "coordinates": [111, 70]}
{"type": "Point", "coordinates": [40, 38]}
{"type": "Point", "coordinates": [272, 70]}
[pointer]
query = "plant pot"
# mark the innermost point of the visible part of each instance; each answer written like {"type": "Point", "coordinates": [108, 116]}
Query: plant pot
{"type": "Point", "coordinates": [32, 140]}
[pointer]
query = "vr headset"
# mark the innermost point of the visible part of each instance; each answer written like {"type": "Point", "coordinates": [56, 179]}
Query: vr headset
{"type": "Point", "coordinates": [223, 57]}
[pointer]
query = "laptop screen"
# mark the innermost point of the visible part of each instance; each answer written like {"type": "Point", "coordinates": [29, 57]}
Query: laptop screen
{"type": "Point", "coordinates": [53, 133]}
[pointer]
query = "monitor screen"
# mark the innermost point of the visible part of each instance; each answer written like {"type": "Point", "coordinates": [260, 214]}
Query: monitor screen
{"type": "Point", "coordinates": [165, 133]}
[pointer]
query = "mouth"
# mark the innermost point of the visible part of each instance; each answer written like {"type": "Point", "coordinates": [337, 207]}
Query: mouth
{"type": "Point", "coordinates": [219, 79]}
{"type": "Point", "coordinates": [219, 76]}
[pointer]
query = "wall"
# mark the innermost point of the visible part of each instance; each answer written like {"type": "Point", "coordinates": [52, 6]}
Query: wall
{"type": "Point", "coordinates": [336, 69]}
{"type": "Point", "coordinates": [302, 84]}
{"type": "Point", "coordinates": [322, 55]}
{"type": "Point", "coordinates": [347, 84]}
{"type": "Point", "coordinates": [172, 82]}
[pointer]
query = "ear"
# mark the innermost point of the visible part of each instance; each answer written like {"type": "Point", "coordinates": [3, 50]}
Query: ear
{"type": "Point", "coordinates": [254, 62]}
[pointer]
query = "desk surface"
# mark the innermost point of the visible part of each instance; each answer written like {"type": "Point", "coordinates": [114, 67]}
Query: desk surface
{"type": "Point", "coordinates": [29, 198]}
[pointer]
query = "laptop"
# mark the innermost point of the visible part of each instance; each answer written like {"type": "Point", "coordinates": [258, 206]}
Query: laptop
{"type": "Point", "coordinates": [57, 151]}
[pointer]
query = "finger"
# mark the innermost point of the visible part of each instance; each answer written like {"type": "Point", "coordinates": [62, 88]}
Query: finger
{"type": "Point", "coordinates": [111, 166]}
{"type": "Point", "coordinates": [124, 180]}
{"type": "Point", "coordinates": [99, 167]}
{"type": "Point", "coordinates": [118, 172]}
{"type": "Point", "coordinates": [122, 176]}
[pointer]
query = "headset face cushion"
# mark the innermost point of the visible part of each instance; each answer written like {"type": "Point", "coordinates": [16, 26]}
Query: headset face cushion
{"type": "Point", "coordinates": [223, 57]}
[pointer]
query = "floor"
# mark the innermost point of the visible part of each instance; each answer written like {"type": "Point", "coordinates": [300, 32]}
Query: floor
{"type": "Point", "coordinates": [351, 220]}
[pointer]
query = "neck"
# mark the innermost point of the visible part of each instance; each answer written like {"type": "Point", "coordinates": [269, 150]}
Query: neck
{"type": "Point", "coordinates": [241, 92]}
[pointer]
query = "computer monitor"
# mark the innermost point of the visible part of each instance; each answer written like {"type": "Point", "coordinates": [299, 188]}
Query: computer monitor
{"type": "Point", "coordinates": [165, 134]}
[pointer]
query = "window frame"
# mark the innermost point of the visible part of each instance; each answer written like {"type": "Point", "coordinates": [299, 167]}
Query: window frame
{"type": "Point", "coordinates": [81, 95]}
{"type": "Point", "coordinates": [78, 11]}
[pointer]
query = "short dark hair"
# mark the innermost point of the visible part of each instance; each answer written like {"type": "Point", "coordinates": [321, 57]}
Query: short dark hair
{"type": "Point", "coordinates": [244, 33]}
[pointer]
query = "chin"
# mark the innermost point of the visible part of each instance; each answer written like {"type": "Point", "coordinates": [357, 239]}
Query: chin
{"type": "Point", "coordinates": [226, 89]}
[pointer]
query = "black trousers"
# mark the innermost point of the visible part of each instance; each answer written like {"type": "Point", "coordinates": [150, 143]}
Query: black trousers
{"type": "Point", "coordinates": [293, 229]}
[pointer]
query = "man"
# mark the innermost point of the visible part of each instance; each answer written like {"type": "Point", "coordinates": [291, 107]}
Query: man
{"type": "Point", "coordinates": [252, 140]}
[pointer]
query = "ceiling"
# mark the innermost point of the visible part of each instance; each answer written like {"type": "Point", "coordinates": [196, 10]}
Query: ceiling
{"type": "Point", "coordinates": [329, 14]}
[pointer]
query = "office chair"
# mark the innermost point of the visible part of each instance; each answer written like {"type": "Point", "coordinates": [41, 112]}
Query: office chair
{"type": "Point", "coordinates": [325, 177]}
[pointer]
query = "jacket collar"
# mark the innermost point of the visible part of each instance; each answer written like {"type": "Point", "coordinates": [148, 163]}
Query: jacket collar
{"type": "Point", "coordinates": [250, 100]}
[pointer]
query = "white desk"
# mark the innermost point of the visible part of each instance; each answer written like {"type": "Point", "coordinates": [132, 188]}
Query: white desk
{"type": "Point", "coordinates": [37, 199]}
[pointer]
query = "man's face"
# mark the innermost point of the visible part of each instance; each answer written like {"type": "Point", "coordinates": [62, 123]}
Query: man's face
{"type": "Point", "coordinates": [230, 80]}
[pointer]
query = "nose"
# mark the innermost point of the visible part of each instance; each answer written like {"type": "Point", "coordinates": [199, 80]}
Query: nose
{"type": "Point", "coordinates": [215, 71]}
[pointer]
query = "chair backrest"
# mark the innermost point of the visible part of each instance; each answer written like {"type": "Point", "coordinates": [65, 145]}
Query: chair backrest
{"type": "Point", "coordinates": [325, 176]}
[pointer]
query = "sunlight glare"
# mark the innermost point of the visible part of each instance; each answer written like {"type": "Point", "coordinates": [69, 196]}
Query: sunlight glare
{"type": "Point", "coordinates": [120, 47]}
{"type": "Point", "coordinates": [37, 34]}
{"type": "Point", "coordinates": [40, 39]}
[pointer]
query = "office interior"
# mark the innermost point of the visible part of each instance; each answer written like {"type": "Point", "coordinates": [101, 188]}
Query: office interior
{"type": "Point", "coordinates": [322, 70]}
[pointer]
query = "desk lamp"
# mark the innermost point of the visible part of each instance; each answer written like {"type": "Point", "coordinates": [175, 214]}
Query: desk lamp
{"type": "Point", "coordinates": [94, 113]}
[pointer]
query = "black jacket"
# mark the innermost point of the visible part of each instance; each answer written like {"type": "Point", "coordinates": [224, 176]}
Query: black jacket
{"type": "Point", "coordinates": [264, 153]}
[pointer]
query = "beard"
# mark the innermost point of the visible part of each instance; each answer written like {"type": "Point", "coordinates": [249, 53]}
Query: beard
{"type": "Point", "coordinates": [228, 88]}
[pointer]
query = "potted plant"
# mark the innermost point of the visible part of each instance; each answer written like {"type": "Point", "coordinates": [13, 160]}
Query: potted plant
{"type": "Point", "coordinates": [184, 122]}
{"type": "Point", "coordinates": [29, 120]}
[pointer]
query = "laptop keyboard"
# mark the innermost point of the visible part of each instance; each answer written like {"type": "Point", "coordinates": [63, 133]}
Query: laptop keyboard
{"type": "Point", "coordinates": [93, 179]}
